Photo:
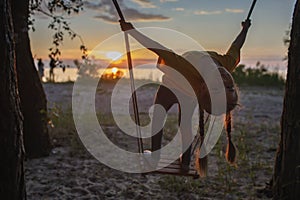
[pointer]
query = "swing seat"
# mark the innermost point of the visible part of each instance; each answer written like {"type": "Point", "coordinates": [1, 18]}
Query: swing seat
{"type": "Point", "coordinates": [174, 168]}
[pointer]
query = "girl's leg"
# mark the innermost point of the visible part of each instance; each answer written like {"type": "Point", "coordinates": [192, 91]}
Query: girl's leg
{"type": "Point", "coordinates": [166, 99]}
{"type": "Point", "coordinates": [185, 124]}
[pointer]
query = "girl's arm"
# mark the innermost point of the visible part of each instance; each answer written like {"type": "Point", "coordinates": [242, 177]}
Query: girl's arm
{"type": "Point", "coordinates": [240, 39]}
{"type": "Point", "coordinates": [231, 59]}
{"type": "Point", "coordinates": [144, 40]}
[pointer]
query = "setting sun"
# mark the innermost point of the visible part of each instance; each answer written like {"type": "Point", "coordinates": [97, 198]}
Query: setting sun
{"type": "Point", "coordinates": [114, 70]}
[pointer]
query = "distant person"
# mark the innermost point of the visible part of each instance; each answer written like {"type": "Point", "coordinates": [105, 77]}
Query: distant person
{"type": "Point", "coordinates": [186, 65]}
{"type": "Point", "coordinates": [63, 68]}
{"type": "Point", "coordinates": [52, 65]}
{"type": "Point", "coordinates": [41, 68]}
{"type": "Point", "coordinates": [77, 63]}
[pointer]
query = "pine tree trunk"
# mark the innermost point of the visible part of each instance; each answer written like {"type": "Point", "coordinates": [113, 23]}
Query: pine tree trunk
{"type": "Point", "coordinates": [33, 99]}
{"type": "Point", "coordinates": [11, 139]}
{"type": "Point", "coordinates": [286, 179]}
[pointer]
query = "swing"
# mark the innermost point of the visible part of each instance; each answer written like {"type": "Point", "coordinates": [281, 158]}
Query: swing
{"type": "Point", "coordinates": [175, 167]}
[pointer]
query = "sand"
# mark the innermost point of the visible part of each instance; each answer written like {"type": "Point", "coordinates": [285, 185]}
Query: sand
{"type": "Point", "coordinates": [74, 174]}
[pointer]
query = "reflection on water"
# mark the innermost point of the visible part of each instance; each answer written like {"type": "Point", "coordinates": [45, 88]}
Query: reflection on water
{"type": "Point", "coordinates": [71, 74]}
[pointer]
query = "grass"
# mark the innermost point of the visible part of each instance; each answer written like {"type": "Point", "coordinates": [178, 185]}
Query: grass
{"type": "Point", "coordinates": [254, 159]}
{"type": "Point", "coordinates": [62, 129]}
{"type": "Point", "coordinates": [254, 165]}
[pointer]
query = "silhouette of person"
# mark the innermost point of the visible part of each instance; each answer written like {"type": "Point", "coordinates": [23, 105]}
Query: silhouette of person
{"type": "Point", "coordinates": [41, 68]}
{"type": "Point", "coordinates": [63, 68]}
{"type": "Point", "coordinates": [225, 64]}
{"type": "Point", "coordinates": [52, 65]}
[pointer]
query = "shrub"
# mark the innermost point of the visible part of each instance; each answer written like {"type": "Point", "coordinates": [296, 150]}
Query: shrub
{"type": "Point", "coordinates": [258, 76]}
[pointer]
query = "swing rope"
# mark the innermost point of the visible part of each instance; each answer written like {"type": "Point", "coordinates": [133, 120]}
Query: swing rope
{"type": "Point", "coordinates": [231, 151]}
{"type": "Point", "coordinates": [200, 133]}
{"type": "Point", "coordinates": [132, 84]}
{"type": "Point", "coordinates": [251, 9]}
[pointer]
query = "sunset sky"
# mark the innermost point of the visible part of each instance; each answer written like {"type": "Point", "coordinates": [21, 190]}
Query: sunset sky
{"type": "Point", "coordinates": [212, 23]}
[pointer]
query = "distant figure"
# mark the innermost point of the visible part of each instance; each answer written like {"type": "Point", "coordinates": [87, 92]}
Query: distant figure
{"type": "Point", "coordinates": [63, 68]}
{"type": "Point", "coordinates": [52, 65]}
{"type": "Point", "coordinates": [77, 63]}
{"type": "Point", "coordinates": [41, 68]}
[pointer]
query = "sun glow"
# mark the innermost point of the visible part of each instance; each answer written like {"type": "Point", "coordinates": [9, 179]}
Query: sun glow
{"type": "Point", "coordinates": [114, 70]}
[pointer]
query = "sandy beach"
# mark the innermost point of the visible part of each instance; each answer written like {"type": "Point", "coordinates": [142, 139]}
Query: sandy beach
{"type": "Point", "coordinates": [70, 172]}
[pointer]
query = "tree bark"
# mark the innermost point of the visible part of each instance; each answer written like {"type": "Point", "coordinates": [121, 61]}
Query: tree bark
{"type": "Point", "coordinates": [33, 98]}
{"type": "Point", "coordinates": [286, 179]}
{"type": "Point", "coordinates": [11, 139]}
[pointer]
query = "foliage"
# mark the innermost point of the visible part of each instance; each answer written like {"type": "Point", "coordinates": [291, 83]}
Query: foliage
{"type": "Point", "coordinates": [258, 76]}
{"type": "Point", "coordinates": [287, 39]}
{"type": "Point", "coordinates": [57, 10]}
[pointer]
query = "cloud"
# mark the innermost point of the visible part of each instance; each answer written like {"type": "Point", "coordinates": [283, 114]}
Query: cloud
{"type": "Point", "coordinates": [132, 15]}
{"type": "Point", "coordinates": [217, 12]}
{"type": "Point", "coordinates": [107, 12]}
{"type": "Point", "coordinates": [234, 10]}
{"type": "Point", "coordinates": [178, 9]}
{"type": "Point", "coordinates": [163, 1]}
{"type": "Point", "coordinates": [145, 3]}
{"type": "Point", "coordinates": [204, 12]}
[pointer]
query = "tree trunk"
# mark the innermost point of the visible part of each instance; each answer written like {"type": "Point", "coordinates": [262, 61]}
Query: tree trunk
{"type": "Point", "coordinates": [33, 98]}
{"type": "Point", "coordinates": [11, 139]}
{"type": "Point", "coordinates": [286, 179]}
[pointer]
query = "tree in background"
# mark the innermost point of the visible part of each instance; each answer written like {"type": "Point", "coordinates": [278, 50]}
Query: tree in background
{"type": "Point", "coordinates": [286, 178]}
{"type": "Point", "coordinates": [32, 95]}
{"type": "Point", "coordinates": [11, 139]}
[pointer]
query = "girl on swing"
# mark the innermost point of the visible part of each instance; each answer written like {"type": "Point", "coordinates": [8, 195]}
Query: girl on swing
{"type": "Point", "coordinates": [225, 64]}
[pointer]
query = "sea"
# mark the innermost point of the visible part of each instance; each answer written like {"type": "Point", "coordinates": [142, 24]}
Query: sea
{"type": "Point", "coordinates": [142, 72]}
{"type": "Point", "coordinates": [71, 74]}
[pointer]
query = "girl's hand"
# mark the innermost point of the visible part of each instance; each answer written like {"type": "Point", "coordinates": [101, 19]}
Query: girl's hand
{"type": "Point", "coordinates": [126, 26]}
{"type": "Point", "coordinates": [246, 24]}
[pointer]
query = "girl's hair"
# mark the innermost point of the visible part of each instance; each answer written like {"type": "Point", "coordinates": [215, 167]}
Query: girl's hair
{"type": "Point", "coordinates": [230, 150]}
{"type": "Point", "coordinates": [201, 163]}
